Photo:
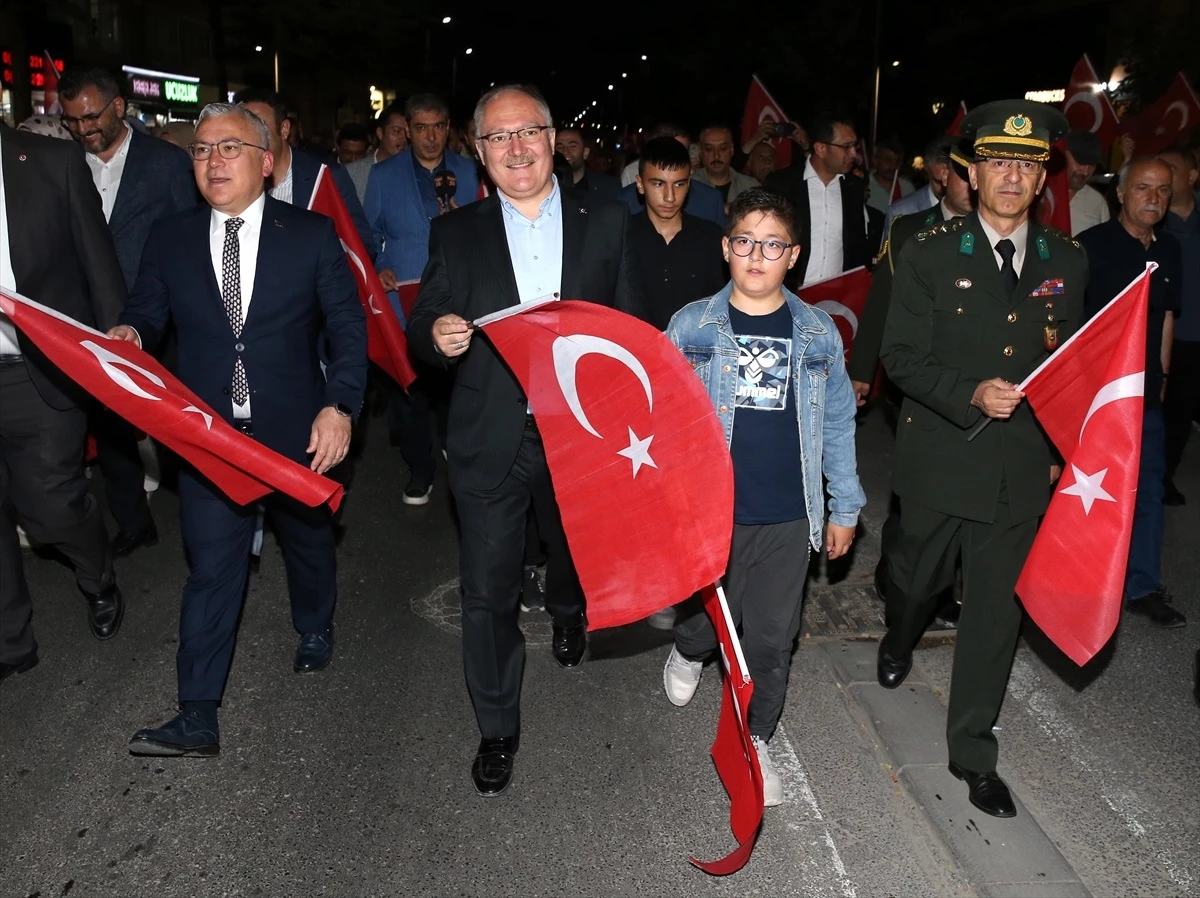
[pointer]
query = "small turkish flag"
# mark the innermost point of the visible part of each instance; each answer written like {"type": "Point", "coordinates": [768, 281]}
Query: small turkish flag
{"type": "Point", "coordinates": [50, 103]}
{"type": "Point", "coordinates": [1087, 106]}
{"type": "Point", "coordinates": [761, 107]}
{"type": "Point", "coordinates": [843, 298]}
{"type": "Point", "coordinates": [1054, 205]}
{"type": "Point", "coordinates": [148, 396]}
{"type": "Point", "coordinates": [640, 467]}
{"type": "Point", "coordinates": [732, 752]}
{"type": "Point", "coordinates": [955, 129]}
{"type": "Point", "coordinates": [1166, 121]}
{"type": "Point", "coordinates": [408, 296]}
{"type": "Point", "coordinates": [387, 346]}
{"type": "Point", "coordinates": [1089, 397]}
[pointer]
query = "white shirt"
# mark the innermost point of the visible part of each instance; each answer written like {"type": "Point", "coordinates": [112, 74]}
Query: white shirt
{"type": "Point", "coordinates": [107, 175]}
{"type": "Point", "coordinates": [248, 236]}
{"type": "Point", "coordinates": [536, 247]}
{"type": "Point", "coordinates": [629, 173]}
{"type": "Point", "coordinates": [283, 190]}
{"type": "Point", "coordinates": [8, 280]}
{"type": "Point", "coordinates": [1088, 209]}
{"type": "Point", "coordinates": [825, 232]}
{"type": "Point", "coordinates": [1019, 237]}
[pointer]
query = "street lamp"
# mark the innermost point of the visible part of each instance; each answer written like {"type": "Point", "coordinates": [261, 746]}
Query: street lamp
{"type": "Point", "coordinates": [610, 87]}
{"type": "Point", "coordinates": [468, 51]}
{"type": "Point", "coordinates": [258, 48]}
{"type": "Point", "coordinates": [445, 20]}
{"type": "Point", "coordinates": [896, 63]}
{"type": "Point", "coordinates": [643, 57]}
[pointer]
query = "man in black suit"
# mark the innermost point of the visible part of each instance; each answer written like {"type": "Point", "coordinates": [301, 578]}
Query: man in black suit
{"type": "Point", "coordinates": [140, 179]}
{"type": "Point", "coordinates": [570, 144]}
{"type": "Point", "coordinates": [529, 239]}
{"type": "Point", "coordinates": [55, 249]}
{"type": "Point", "coordinates": [836, 231]}
{"type": "Point", "coordinates": [251, 284]}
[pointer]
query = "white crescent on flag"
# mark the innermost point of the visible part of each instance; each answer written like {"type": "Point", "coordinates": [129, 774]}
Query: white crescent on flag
{"type": "Point", "coordinates": [1091, 99]}
{"type": "Point", "coordinates": [1131, 386]}
{"type": "Point", "coordinates": [1183, 114]}
{"type": "Point", "coordinates": [111, 364]}
{"type": "Point", "coordinates": [353, 257]}
{"type": "Point", "coordinates": [832, 307]}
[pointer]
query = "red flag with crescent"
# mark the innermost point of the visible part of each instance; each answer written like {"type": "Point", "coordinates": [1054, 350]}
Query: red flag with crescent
{"type": "Point", "coordinates": [1054, 205]}
{"type": "Point", "coordinates": [761, 107]}
{"type": "Point", "coordinates": [1089, 397]}
{"type": "Point", "coordinates": [387, 346]}
{"type": "Point", "coordinates": [640, 467]}
{"type": "Point", "coordinates": [50, 103]}
{"type": "Point", "coordinates": [843, 298]}
{"type": "Point", "coordinates": [1166, 121]}
{"type": "Point", "coordinates": [139, 389]}
{"type": "Point", "coordinates": [1087, 107]}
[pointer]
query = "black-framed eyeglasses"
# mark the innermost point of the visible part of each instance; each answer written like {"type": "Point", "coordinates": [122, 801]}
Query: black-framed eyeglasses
{"type": "Point", "coordinates": [504, 138]}
{"type": "Point", "coordinates": [71, 121]}
{"type": "Point", "coordinates": [771, 249]}
{"type": "Point", "coordinates": [228, 149]}
{"type": "Point", "coordinates": [840, 146]}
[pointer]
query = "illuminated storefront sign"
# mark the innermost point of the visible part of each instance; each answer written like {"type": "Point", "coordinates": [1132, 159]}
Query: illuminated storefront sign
{"type": "Point", "coordinates": [165, 88]}
{"type": "Point", "coordinates": [182, 93]}
{"type": "Point", "coordinates": [37, 69]}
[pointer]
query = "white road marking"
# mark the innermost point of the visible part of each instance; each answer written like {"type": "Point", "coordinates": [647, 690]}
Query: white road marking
{"type": "Point", "coordinates": [1025, 685]}
{"type": "Point", "coordinates": [799, 800]}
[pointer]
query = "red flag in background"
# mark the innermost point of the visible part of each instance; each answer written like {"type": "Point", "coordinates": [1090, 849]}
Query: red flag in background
{"type": "Point", "coordinates": [843, 298]}
{"type": "Point", "coordinates": [144, 393]}
{"type": "Point", "coordinates": [732, 751]}
{"type": "Point", "coordinates": [408, 296]}
{"type": "Point", "coordinates": [1089, 397]}
{"type": "Point", "coordinates": [1167, 120]}
{"type": "Point", "coordinates": [387, 346]}
{"type": "Point", "coordinates": [955, 129]}
{"type": "Point", "coordinates": [50, 85]}
{"type": "Point", "coordinates": [760, 107]}
{"type": "Point", "coordinates": [640, 467]}
{"type": "Point", "coordinates": [1087, 106]}
{"type": "Point", "coordinates": [1054, 205]}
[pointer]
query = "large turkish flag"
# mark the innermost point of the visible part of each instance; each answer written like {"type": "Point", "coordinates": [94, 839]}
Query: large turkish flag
{"type": "Point", "coordinates": [640, 467]}
{"type": "Point", "coordinates": [1087, 106]}
{"type": "Point", "coordinates": [148, 396]}
{"type": "Point", "coordinates": [1166, 121]}
{"type": "Point", "coordinates": [843, 298]}
{"type": "Point", "coordinates": [1089, 397]}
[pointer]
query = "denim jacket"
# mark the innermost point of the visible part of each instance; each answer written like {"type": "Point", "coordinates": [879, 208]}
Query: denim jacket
{"type": "Point", "coordinates": [702, 332]}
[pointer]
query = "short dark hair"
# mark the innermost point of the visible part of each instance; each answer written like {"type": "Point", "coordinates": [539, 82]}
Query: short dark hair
{"type": "Point", "coordinates": [570, 129]}
{"type": "Point", "coordinates": [666, 129]}
{"type": "Point", "coordinates": [715, 126]}
{"type": "Point", "coordinates": [765, 201]}
{"type": "Point", "coordinates": [352, 131]}
{"type": "Point", "coordinates": [893, 144]}
{"type": "Point", "coordinates": [425, 102]}
{"type": "Point", "coordinates": [823, 125]}
{"type": "Point", "coordinates": [393, 108]}
{"type": "Point", "coordinates": [938, 151]}
{"type": "Point", "coordinates": [1185, 155]}
{"type": "Point", "coordinates": [74, 80]}
{"type": "Point", "coordinates": [664, 152]}
{"type": "Point", "coordinates": [267, 97]}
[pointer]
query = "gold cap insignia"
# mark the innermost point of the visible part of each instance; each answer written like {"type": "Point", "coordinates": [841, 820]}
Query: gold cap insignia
{"type": "Point", "coordinates": [1018, 126]}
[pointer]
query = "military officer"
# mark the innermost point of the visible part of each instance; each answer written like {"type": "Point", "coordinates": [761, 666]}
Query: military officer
{"type": "Point", "coordinates": [977, 304]}
{"type": "Point", "coordinates": [956, 202]}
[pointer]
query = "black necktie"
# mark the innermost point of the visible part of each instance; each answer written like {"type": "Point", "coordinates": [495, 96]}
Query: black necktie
{"type": "Point", "coordinates": [231, 295]}
{"type": "Point", "coordinates": [1008, 273]}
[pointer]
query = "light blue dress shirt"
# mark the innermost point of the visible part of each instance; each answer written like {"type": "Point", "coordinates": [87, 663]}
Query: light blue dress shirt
{"type": "Point", "coordinates": [536, 247]}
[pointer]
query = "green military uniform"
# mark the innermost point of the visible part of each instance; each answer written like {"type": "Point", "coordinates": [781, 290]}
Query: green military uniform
{"type": "Point", "coordinates": [953, 323]}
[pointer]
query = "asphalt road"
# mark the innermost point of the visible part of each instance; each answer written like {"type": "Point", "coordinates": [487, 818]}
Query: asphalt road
{"type": "Point", "coordinates": [355, 781]}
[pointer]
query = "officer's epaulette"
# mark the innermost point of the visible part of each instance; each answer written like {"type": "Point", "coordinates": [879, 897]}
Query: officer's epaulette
{"type": "Point", "coordinates": [882, 254]}
{"type": "Point", "coordinates": [1062, 235]}
{"type": "Point", "coordinates": [946, 227]}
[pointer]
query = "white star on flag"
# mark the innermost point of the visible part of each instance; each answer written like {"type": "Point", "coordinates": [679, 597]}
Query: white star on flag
{"type": "Point", "coordinates": [638, 452]}
{"type": "Point", "coordinates": [1088, 487]}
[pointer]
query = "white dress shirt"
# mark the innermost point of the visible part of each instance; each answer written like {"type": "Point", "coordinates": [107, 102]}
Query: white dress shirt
{"type": "Point", "coordinates": [1088, 209]}
{"type": "Point", "coordinates": [536, 247]}
{"type": "Point", "coordinates": [825, 230]}
{"type": "Point", "coordinates": [107, 175]}
{"type": "Point", "coordinates": [8, 280]}
{"type": "Point", "coordinates": [283, 190]}
{"type": "Point", "coordinates": [1019, 237]}
{"type": "Point", "coordinates": [248, 235]}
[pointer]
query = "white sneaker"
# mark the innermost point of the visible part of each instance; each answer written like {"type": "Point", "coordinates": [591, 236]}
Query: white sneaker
{"type": "Point", "coordinates": [772, 784]}
{"type": "Point", "coordinates": [662, 620]}
{"type": "Point", "coordinates": [681, 677]}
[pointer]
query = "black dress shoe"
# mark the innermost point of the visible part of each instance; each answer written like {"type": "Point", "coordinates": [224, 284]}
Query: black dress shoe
{"type": "Point", "coordinates": [1157, 607]}
{"type": "Point", "coordinates": [125, 542]}
{"type": "Point", "coordinates": [19, 667]}
{"type": "Point", "coordinates": [492, 769]}
{"type": "Point", "coordinates": [988, 792]}
{"type": "Point", "coordinates": [890, 670]}
{"type": "Point", "coordinates": [314, 652]}
{"type": "Point", "coordinates": [568, 643]}
{"type": "Point", "coordinates": [105, 611]}
{"type": "Point", "coordinates": [188, 735]}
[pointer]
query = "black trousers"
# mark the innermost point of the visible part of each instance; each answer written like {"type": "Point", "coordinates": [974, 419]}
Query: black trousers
{"type": "Point", "coordinates": [1183, 395]}
{"type": "Point", "coordinates": [124, 474]}
{"type": "Point", "coordinates": [43, 488]}
{"type": "Point", "coordinates": [490, 565]}
{"type": "Point", "coordinates": [217, 534]}
{"type": "Point", "coordinates": [922, 566]}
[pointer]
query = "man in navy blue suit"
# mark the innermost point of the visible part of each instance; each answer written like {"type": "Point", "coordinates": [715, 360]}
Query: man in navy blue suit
{"type": "Point", "coordinates": [140, 179]}
{"type": "Point", "coordinates": [252, 284]}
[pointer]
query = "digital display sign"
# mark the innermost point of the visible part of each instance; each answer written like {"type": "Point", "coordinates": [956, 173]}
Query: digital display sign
{"type": "Point", "coordinates": [37, 69]}
{"type": "Point", "coordinates": [162, 87]}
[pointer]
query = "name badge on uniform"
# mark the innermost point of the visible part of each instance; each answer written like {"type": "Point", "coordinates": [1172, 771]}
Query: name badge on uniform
{"type": "Point", "coordinates": [1050, 287]}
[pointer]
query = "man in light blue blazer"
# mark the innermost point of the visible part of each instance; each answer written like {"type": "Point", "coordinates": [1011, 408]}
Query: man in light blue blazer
{"type": "Point", "coordinates": [937, 166]}
{"type": "Point", "coordinates": [402, 199]}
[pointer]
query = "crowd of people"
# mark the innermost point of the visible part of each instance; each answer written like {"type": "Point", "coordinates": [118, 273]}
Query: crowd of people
{"type": "Point", "coordinates": [205, 254]}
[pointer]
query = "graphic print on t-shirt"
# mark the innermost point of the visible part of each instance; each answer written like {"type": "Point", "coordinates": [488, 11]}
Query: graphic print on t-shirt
{"type": "Point", "coordinates": [764, 368]}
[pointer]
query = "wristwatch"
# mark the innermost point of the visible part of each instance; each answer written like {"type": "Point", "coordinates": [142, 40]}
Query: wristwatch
{"type": "Point", "coordinates": [343, 410]}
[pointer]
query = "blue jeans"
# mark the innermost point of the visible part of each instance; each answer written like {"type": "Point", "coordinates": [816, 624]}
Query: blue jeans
{"type": "Point", "coordinates": [1144, 574]}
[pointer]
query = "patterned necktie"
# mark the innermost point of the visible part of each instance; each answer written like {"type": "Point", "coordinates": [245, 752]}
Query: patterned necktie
{"type": "Point", "coordinates": [231, 295]}
{"type": "Point", "coordinates": [1008, 272]}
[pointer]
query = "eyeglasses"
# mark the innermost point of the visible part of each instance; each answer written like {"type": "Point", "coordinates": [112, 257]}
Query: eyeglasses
{"type": "Point", "coordinates": [229, 149]}
{"type": "Point", "coordinates": [70, 121]}
{"type": "Point", "coordinates": [1002, 166]}
{"type": "Point", "coordinates": [840, 146]}
{"type": "Point", "coordinates": [771, 249]}
{"type": "Point", "coordinates": [504, 138]}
